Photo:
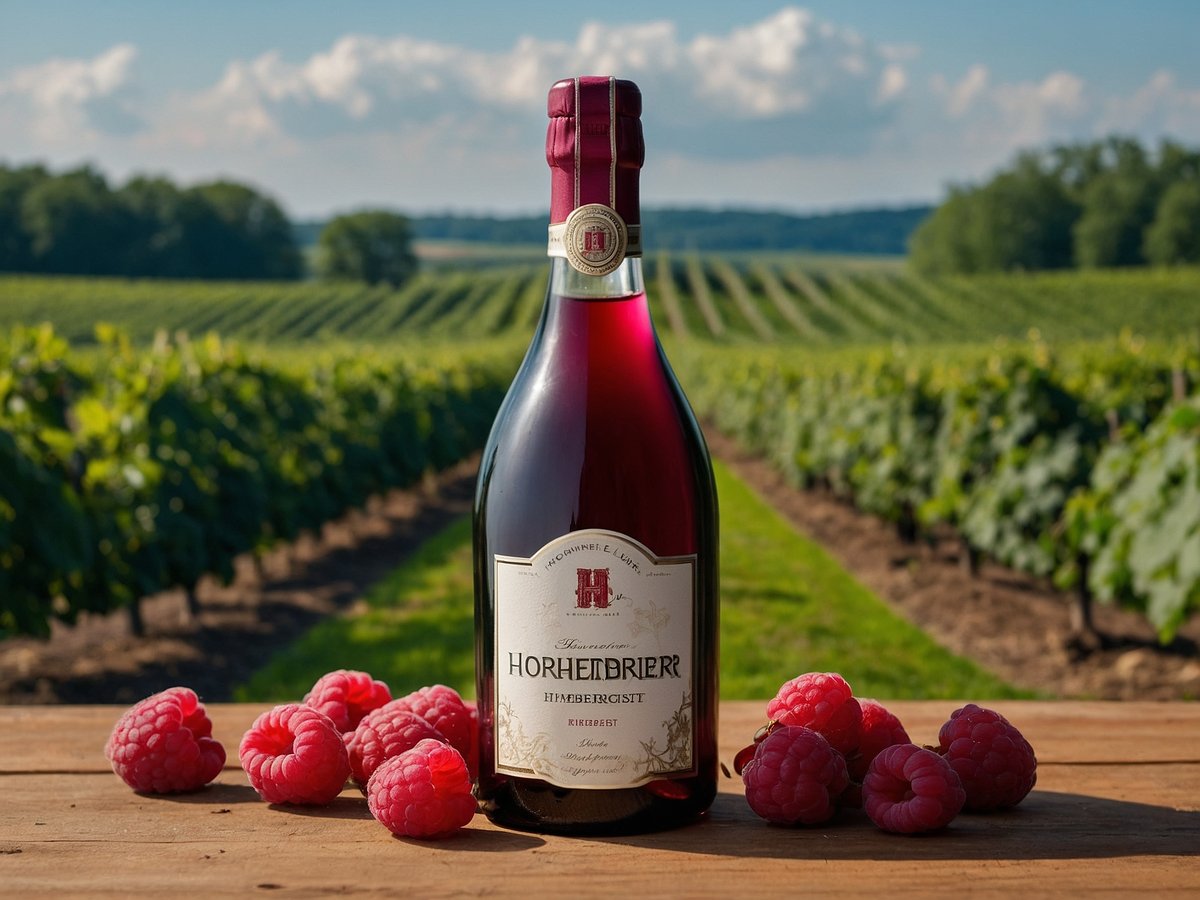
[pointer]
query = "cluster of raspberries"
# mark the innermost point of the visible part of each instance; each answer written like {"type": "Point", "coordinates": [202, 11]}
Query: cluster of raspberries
{"type": "Point", "coordinates": [823, 748]}
{"type": "Point", "coordinates": [414, 757]}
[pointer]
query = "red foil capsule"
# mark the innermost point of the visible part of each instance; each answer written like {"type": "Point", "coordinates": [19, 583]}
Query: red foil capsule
{"type": "Point", "coordinates": [595, 150]}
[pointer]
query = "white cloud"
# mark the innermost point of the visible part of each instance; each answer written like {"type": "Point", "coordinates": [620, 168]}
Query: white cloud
{"type": "Point", "coordinates": [892, 82]}
{"type": "Point", "coordinates": [997, 118]}
{"type": "Point", "coordinates": [1033, 112]}
{"type": "Point", "coordinates": [803, 81]}
{"type": "Point", "coordinates": [1160, 105]}
{"type": "Point", "coordinates": [790, 111]}
{"type": "Point", "coordinates": [960, 97]}
{"type": "Point", "coordinates": [61, 98]}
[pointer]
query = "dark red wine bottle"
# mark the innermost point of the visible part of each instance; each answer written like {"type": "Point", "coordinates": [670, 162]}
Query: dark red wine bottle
{"type": "Point", "coordinates": [595, 527]}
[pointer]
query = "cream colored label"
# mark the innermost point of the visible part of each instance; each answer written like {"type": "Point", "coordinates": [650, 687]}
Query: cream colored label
{"type": "Point", "coordinates": [594, 239]}
{"type": "Point", "coordinates": [594, 663]}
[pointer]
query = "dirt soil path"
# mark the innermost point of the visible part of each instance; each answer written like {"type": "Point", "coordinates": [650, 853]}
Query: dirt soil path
{"type": "Point", "coordinates": [1009, 623]}
{"type": "Point", "coordinates": [240, 625]}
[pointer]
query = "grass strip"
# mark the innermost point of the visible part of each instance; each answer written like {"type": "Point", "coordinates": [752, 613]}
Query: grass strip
{"type": "Point", "coordinates": [786, 608]}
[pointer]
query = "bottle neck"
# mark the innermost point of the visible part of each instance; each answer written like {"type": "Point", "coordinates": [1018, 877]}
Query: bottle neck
{"type": "Point", "coordinates": [624, 281]}
{"type": "Point", "coordinates": [594, 318]}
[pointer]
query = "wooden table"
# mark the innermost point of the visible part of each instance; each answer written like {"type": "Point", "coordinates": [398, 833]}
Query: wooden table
{"type": "Point", "coordinates": [1116, 810]}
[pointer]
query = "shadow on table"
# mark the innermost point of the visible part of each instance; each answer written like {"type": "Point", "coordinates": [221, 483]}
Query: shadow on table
{"type": "Point", "coordinates": [1047, 825]}
{"type": "Point", "coordinates": [220, 798]}
{"type": "Point", "coordinates": [218, 795]}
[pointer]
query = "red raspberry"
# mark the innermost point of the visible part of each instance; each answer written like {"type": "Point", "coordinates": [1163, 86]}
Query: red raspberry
{"type": "Point", "coordinates": [795, 777]}
{"type": "Point", "coordinates": [164, 744]}
{"type": "Point", "coordinates": [346, 696]}
{"type": "Point", "coordinates": [995, 762]}
{"type": "Point", "coordinates": [821, 701]}
{"type": "Point", "coordinates": [425, 792]}
{"type": "Point", "coordinates": [444, 709]}
{"type": "Point", "coordinates": [384, 733]}
{"type": "Point", "coordinates": [294, 754]}
{"type": "Point", "coordinates": [909, 789]}
{"type": "Point", "coordinates": [879, 729]}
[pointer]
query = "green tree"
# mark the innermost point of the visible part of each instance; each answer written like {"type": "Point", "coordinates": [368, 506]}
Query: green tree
{"type": "Point", "coordinates": [1117, 205]}
{"type": "Point", "coordinates": [74, 224]}
{"type": "Point", "coordinates": [940, 244]}
{"type": "Point", "coordinates": [1173, 238]}
{"type": "Point", "coordinates": [1021, 219]}
{"type": "Point", "coordinates": [15, 252]}
{"type": "Point", "coordinates": [236, 232]}
{"type": "Point", "coordinates": [372, 246]}
{"type": "Point", "coordinates": [1095, 204]}
{"type": "Point", "coordinates": [159, 241]}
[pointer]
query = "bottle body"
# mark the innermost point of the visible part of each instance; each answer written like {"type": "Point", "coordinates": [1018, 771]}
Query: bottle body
{"type": "Point", "coordinates": [596, 470]}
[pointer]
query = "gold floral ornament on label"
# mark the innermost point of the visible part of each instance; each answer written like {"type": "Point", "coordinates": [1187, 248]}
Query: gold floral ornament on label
{"type": "Point", "coordinates": [595, 239]}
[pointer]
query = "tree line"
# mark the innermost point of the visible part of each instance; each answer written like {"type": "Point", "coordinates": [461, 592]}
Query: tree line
{"type": "Point", "coordinates": [76, 223]}
{"type": "Point", "coordinates": [1107, 203]}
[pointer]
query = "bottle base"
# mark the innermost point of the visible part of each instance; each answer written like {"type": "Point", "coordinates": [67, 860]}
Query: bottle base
{"type": "Point", "coordinates": [545, 809]}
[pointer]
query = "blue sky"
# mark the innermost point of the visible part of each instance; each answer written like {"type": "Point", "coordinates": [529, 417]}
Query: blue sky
{"type": "Point", "coordinates": [429, 106]}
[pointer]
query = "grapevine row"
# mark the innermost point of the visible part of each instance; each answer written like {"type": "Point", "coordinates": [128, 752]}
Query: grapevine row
{"type": "Point", "coordinates": [1083, 466]}
{"type": "Point", "coordinates": [763, 299]}
{"type": "Point", "coordinates": [131, 471]}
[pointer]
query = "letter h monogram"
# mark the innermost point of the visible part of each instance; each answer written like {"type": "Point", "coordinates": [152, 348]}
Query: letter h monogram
{"type": "Point", "coordinates": [593, 588]}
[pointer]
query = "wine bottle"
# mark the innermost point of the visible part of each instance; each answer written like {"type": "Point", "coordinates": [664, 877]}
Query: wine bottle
{"type": "Point", "coordinates": [595, 526]}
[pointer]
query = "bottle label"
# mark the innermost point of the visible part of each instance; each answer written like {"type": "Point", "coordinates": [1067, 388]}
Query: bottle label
{"type": "Point", "coordinates": [595, 642]}
{"type": "Point", "coordinates": [595, 240]}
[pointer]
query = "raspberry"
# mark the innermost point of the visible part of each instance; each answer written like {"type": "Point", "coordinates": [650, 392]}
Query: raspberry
{"type": "Point", "coordinates": [164, 744]}
{"type": "Point", "coordinates": [795, 777]}
{"type": "Point", "coordinates": [346, 696]}
{"type": "Point", "coordinates": [995, 762]}
{"type": "Point", "coordinates": [879, 729]}
{"type": "Point", "coordinates": [425, 792]}
{"type": "Point", "coordinates": [909, 789]}
{"type": "Point", "coordinates": [294, 754]}
{"type": "Point", "coordinates": [821, 701]}
{"type": "Point", "coordinates": [444, 709]}
{"type": "Point", "coordinates": [384, 733]}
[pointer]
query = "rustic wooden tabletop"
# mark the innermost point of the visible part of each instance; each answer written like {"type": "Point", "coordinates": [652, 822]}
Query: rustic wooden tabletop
{"type": "Point", "coordinates": [1116, 810]}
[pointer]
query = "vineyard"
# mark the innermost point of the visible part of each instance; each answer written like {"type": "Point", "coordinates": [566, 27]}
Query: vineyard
{"type": "Point", "coordinates": [1082, 466]}
{"type": "Point", "coordinates": [762, 298]}
{"type": "Point", "coordinates": [1052, 421]}
{"type": "Point", "coordinates": [127, 472]}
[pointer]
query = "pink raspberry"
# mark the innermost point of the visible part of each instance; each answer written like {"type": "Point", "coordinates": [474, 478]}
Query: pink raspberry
{"type": "Point", "coordinates": [909, 789]}
{"type": "Point", "coordinates": [823, 702]}
{"type": "Point", "coordinates": [879, 729]}
{"type": "Point", "coordinates": [795, 777]}
{"type": "Point", "coordinates": [425, 792]}
{"type": "Point", "coordinates": [444, 709]}
{"type": "Point", "coordinates": [346, 696]}
{"type": "Point", "coordinates": [294, 754]}
{"type": "Point", "coordinates": [164, 744]}
{"type": "Point", "coordinates": [384, 733]}
{"type": "Point", "coordinates": [995, 762]}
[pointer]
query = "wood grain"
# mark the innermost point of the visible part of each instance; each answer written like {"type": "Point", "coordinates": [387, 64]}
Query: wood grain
{"type": "Point", "coordinates": [1116, 810]}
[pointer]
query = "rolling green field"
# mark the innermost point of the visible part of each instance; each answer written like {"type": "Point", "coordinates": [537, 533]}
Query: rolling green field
{"type": "Point", "coordinates": [738, 299]}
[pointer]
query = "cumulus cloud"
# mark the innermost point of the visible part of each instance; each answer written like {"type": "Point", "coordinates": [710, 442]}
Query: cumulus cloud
{"type": "Point", "coordinates": [961, 96]}
{"type": "Point", "coordinates": [786, 83]}
{"type": "Point", "coordinates": [977, 112]}
{"type": "Point", "coordinates": [64, 99]}
{"type": "Point", "coordinates": [792, 110]}
{"type": "Point", "coordinates": [1161, 106]}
